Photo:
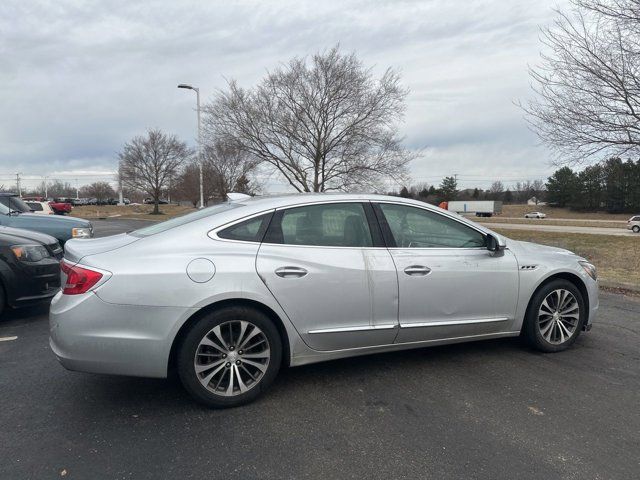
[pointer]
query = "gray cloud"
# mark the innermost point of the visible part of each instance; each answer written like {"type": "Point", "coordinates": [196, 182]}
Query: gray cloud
{"type": "Point", "coordinates": [77, 79]}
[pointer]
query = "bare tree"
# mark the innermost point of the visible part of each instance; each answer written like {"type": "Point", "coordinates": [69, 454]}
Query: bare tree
{"type": "Point", "coordinates": [496, 190]}
{"type": "Point", "coordinates": [101, 191]}
{"type": "Point", "coordinates": [324, 124]}
{"type": "Point", "coordinates": [588, 84]}
{"type": "Point", "coordinates": [148, 162]}
{"type": "Point", "coordinates": [230, 165]}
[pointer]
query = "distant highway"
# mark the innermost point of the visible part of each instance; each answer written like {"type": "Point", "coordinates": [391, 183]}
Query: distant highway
{"type": "Point", "coordinates": [585, 220]}
{"type": "Point", "coordinates": [540, 227]}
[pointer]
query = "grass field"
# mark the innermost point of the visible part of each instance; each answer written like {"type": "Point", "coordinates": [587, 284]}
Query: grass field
{"type": "Point", "coordinates": [617, 258]}
{"type": "Point", "coordinates": [129, 211]}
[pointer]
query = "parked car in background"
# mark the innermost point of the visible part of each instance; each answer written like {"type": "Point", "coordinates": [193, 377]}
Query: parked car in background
{"type": "Point", "coordinates": [634, 224]}
{"type": "Point", "coordinates": [61, 206]}
{"type": "Point", "coordinates": [149, 201]}
{"type": "Point", "coordinates": [40, 208]}
{"type": "Point", "coordinates": [29, 267]}
{"type": "Point", "coordinates": [231, 293]}
{"type": "Point", "coordinates": [535, 215]}
{"type": "Point", "coordinates": [15, 213]}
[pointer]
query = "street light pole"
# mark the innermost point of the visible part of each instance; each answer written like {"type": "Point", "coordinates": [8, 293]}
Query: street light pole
{"type": "Point", "coordinates": [200, 159]}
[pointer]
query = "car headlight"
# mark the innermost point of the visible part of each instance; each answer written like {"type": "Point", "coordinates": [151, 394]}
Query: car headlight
{"type": "Point", "coordinates": [83, 232]}
{"type": "Point", "coordinates": [590, 269]}
{"type": "Point", "coordinates": [30, 253]}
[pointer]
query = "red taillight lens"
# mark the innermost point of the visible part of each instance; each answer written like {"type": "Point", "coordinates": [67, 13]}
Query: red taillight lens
{"type": "Point", "coordinates": [79, 279]}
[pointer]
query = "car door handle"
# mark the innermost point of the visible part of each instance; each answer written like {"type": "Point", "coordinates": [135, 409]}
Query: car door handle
{"type": "Point", "coordinates": [417, 270]}
{"type": "Point", "coordinates": [291, 272]}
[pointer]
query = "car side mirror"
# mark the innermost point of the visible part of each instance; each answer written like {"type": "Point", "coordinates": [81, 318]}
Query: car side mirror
{"type": "Point", "coordinates": [495, 243]}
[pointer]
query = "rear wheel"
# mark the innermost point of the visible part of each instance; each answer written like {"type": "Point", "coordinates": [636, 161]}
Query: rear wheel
{"type": "Point", "coordinates": [555, 316]}
{"type": "Point", "coordinates": [229, 357]}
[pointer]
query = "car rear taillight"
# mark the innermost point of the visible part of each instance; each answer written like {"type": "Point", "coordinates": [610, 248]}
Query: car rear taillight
{"type": "Point", "coordinates": [79, 279]}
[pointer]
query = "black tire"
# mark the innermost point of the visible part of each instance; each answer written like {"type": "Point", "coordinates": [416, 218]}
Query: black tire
{"type": "Point", "coordinates": [636, 229]}
{"type": "Point", "coordinates": [190, 344]}
{"type": "Point", "coordinates": [531, 330]}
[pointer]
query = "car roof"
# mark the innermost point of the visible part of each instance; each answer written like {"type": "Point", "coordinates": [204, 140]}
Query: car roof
{"type": "Point", "coordinates": [8, 194]}
{"type": "Point", "coordinates": [290, 199]}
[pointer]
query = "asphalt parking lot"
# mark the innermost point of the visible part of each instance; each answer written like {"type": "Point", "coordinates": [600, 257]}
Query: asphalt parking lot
{"type": "Point", "coordinates": [491, 409]}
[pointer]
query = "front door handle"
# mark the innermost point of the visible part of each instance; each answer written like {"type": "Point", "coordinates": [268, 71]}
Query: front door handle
{"type": "Point", "coordinates": [417, 270]}
{"type": "Point", "coordinates": [291, 272]}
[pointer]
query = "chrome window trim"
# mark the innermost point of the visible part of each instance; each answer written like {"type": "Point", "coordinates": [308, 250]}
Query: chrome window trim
{"type": "Point", "coordinates": [363, 328]}
{"type": "Point", "coordinates": [453, 322]}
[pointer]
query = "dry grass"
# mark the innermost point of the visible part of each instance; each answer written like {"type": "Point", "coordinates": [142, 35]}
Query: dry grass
{"type": "Point", "coordinates": [617, 258]}
{"type": "Point", "coordinates": [129, 211]}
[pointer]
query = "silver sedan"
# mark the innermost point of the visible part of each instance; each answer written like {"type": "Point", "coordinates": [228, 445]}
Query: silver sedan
{"type": "Point", "coordinates": [230, 294]}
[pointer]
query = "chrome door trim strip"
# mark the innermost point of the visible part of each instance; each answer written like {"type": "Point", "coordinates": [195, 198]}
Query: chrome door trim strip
{"type": "Point", "coordinates": [452, 323]}
{"type": "Point", "coordinates": [364, 328]}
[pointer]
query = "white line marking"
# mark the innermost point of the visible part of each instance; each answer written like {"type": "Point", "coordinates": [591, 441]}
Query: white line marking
{"type": "Point", "coordinates": [7, 339]}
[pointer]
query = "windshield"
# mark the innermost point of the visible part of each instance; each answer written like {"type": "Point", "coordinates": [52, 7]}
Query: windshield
{"type": "Point", "coordinates": [191, 217]}
{"type": "Point", "coordinates": [18, 204]}
{"type": "Point", "coordinates": [14, 203]}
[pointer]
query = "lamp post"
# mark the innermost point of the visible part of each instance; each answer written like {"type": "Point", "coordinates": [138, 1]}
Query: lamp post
{"type": "Point", "coordinates": [197, 90]}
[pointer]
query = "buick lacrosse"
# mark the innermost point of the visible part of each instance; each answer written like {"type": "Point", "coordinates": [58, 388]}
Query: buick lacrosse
{"type": "Point", "coordinates": [229, 294]}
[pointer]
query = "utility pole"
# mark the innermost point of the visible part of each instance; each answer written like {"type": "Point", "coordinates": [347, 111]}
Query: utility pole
{"type": "Point", "coordinates": [77, 191]}
{"type": "Point", "coordinates": [46, 188]}
{"type": "Point", "coordinates": [120, 194]}
{"type": "Point", "coordinates": [200, 159]}
{"type": "Point", "coordinates": [18, 184]}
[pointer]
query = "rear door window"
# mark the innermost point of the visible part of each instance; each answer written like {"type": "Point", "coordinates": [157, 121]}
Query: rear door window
{"type": "Point", "coordinates": [328, 225]}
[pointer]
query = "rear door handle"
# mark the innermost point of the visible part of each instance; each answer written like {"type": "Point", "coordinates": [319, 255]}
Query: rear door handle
{"type": "Point", "coordinates": [291, 272]}
{"type": "Point", "coordinates": [417, 270]}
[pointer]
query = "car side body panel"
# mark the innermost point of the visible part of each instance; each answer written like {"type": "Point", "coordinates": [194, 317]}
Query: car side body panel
{"type": "Point", "coordinates": [129, 323]}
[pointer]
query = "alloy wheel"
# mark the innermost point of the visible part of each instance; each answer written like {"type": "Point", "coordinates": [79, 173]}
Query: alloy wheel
{"type": "Point", "coordinates": [558, 316]}
{"type": "Point", "coordinates": [232, 358]}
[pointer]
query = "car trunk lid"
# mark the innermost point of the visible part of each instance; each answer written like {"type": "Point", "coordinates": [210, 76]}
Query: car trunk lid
{"type": "Point", "coordinates": [75, 250]}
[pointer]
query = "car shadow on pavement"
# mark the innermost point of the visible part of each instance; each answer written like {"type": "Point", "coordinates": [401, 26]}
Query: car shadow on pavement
{"type": "Point", "coordinates": [25, 315]}
{"type": "Point", "coordinates": [140, 394]}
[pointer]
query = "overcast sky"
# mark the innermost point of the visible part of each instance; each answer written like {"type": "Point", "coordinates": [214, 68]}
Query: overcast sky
{"type": "Point", "coordinates": [79, 78]}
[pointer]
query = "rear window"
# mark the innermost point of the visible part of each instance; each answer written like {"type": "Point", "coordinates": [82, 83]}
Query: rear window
{"type": "Point", "coordinates": [36, 207]}
{"type": "Point", "coordinates": [251, 230]}
{"type": "Point", "coordinates": [183, 220]}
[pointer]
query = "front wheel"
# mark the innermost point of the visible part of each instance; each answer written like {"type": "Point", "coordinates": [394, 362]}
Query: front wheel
{"type": "Point", "coordinates": [229, 357]}
{"type": "Point", "coordinates": [636, 229]}
{"type": "Point", "coordinates": [555, 316]}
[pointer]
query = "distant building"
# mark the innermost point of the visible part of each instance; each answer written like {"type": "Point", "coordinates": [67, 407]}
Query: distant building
{"type": "Point", "coordinates": [535, 201]}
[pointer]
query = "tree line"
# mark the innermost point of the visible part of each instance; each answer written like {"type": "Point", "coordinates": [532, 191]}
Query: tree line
{"type": "Point", "coordinates": [612, 186]}
{"type": "Point", "coordinates": [448, 190]}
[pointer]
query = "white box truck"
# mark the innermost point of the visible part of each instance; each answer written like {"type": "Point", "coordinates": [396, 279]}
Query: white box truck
{"type": "Point", "coordinates": [481, 208]}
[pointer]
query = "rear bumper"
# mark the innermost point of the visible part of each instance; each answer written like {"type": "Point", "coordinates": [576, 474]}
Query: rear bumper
{"type": "Point", "coordinates": [90, 335]}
